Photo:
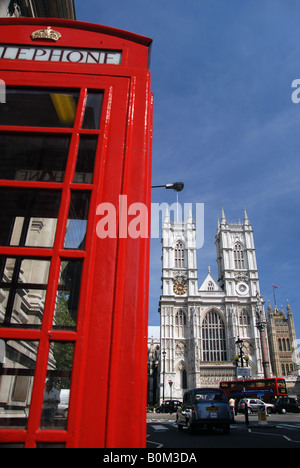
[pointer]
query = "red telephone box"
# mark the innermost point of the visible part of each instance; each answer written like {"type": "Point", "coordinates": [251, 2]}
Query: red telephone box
{"type": "Point", "coordinates": [75, 170]}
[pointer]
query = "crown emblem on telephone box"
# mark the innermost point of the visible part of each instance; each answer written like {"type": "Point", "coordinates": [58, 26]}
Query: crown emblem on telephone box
{"type": "Point", "coordinates": [47, 34]}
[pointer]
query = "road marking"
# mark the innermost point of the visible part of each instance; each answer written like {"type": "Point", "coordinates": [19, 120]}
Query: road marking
{"type": "Point", "coordinates": [288, 426]}
{"type": "Point", "coordinates": [164, 422]}
{"type": "Point", "coordinates": [157, 444]}
{"type": "Point", "coordinates": [159, 427]}
{"type": "Point", "coordinates": [275, 435]}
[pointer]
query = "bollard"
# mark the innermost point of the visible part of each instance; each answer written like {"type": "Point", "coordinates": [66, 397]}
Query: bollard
{"type": "Point", "coordinates": [262, 419]}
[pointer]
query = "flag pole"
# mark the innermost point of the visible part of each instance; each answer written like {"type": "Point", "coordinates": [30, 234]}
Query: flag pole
{"type": "Point", "coordinates": [274, 287]}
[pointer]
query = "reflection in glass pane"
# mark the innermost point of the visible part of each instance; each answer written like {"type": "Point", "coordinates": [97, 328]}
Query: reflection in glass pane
{"type": "Point", "coordinates": [33, 157]}
{"type": "Point", "coordinates": [67, 298]}
{"type": "Point", "coordinates": [85, 160]}
{"type": "Point", "coordinates": [28, 217]}
{"type": "Point", "coordinates": [16, 382]}
{"type": "Point", "coordinates": [39, 107]}
{"type": "Point", "coordinates": [57, 387]}
{"type": "Point", "coordinates": [93, 109]}
{"type": "Point", "coordinates": [23, 290]}
{"type": "Point", "coordinates": [77, 220]}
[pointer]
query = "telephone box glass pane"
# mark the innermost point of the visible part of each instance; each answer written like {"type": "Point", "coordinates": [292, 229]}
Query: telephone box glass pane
{"type": "Point", "coordinates": [86, 160]}
{"type": "Point", "coordinates": [77, 220]}
{"type": "Point", "coordinates": [93, 110]}
{"type": "Point", "coordinates": [67, 298]}
{"type": "Point", "coordinates": [23, 291]}
{"type": "Point", "coordinates": [28, 217]}
{"type": "Point", "coordinates": [39, 107]}
{"type": "Point", "coordinates": [33, 157]}
{"type": "Point", "coordinates": [16, 382]}
{"type": "Point", "coordinates": [57, 387]}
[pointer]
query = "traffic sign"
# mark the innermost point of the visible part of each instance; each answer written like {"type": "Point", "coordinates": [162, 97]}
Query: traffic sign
{"type": "Point", "coordinates": [243, 372]}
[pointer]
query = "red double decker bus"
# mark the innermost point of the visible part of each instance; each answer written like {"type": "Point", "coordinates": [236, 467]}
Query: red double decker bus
{"type": "Point", "coordinates": [266, 389]}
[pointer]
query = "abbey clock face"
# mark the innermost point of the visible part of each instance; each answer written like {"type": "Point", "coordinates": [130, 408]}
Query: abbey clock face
{"type": "Point", "coordinates": [242, 289]}
{"type": "Point", "coordinates": [179, 288]}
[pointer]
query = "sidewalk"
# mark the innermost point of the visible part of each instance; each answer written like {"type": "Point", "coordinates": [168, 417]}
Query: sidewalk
{"type": "Point", "coordinates": [253, 421]}
{"type": "Point", "coordinates": [161, 417]}
{"type": "Point", "coordinates": [239, 419]}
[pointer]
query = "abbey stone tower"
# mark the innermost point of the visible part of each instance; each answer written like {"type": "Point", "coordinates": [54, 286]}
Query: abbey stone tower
{"type": "Point", "coordinates": [200, 325]}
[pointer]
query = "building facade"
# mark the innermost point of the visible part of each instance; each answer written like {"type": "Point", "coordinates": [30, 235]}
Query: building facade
{"type": "Point", "coordinates": [38, 8]}
{"type": "Point", "coordinates": [283, 346]}
{"type": "Point", "coordinates": [201, 325]}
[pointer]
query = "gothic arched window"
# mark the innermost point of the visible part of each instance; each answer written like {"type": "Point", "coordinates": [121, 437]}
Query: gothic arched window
{"type": "Point", "coordinates": [210, 286]}
{"type": "Point", "coordinates": [244, 318]}
{"type": "Point", "coordinates": [179, 255]}
{"type": "Point", "coordinates": [213, 338]}
{"type": "Point", "coordinates": [283, 344]}
{"type": "Point", "coordinates": [238, 253]}
{"type": "Point", "coordinates": [180, 318]}
{"type": "Point", "coordinates": [244, 324]}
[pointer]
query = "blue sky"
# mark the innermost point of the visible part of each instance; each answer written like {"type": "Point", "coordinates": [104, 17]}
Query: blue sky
{"type": "Point", "coordinates": [224, 122]}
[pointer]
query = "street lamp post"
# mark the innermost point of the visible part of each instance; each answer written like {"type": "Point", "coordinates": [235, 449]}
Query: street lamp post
{"type": "Point", "coordinates": [243, 358]}
{"type": "Point", "coordinates": [177, 186]}
{"type": "Point", "coordinates": [163, 353]}
{"type": "Point", "coordinates": [171, 383]}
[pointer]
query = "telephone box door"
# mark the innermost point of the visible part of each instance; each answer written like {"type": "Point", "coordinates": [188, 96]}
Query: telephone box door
{"type": "Point", "coordinates": [66, 279]}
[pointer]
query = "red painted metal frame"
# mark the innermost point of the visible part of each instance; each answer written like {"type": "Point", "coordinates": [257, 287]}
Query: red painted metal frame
{"type": "Point", "coordinates": [109, 377]}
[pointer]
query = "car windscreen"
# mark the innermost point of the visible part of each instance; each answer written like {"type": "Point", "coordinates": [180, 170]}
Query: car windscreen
{"type": "Point", "coordinates": [209, 395]}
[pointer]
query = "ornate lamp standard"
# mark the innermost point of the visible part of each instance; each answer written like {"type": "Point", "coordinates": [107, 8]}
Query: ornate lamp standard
{"type": "Point", "coordinates": [241, 356]}
{"type": "Point", "coordinates": [261, 324]}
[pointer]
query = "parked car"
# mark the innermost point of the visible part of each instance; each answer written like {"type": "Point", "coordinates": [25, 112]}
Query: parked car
{"type": "Point", "coordinates": [253, 404]}
{"type": "Point", "coordinates": [287, 405]}
{"type": "Point", "coordinates": [169, 406]}
{"type": "Point", "coordinates": [204, 408]}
